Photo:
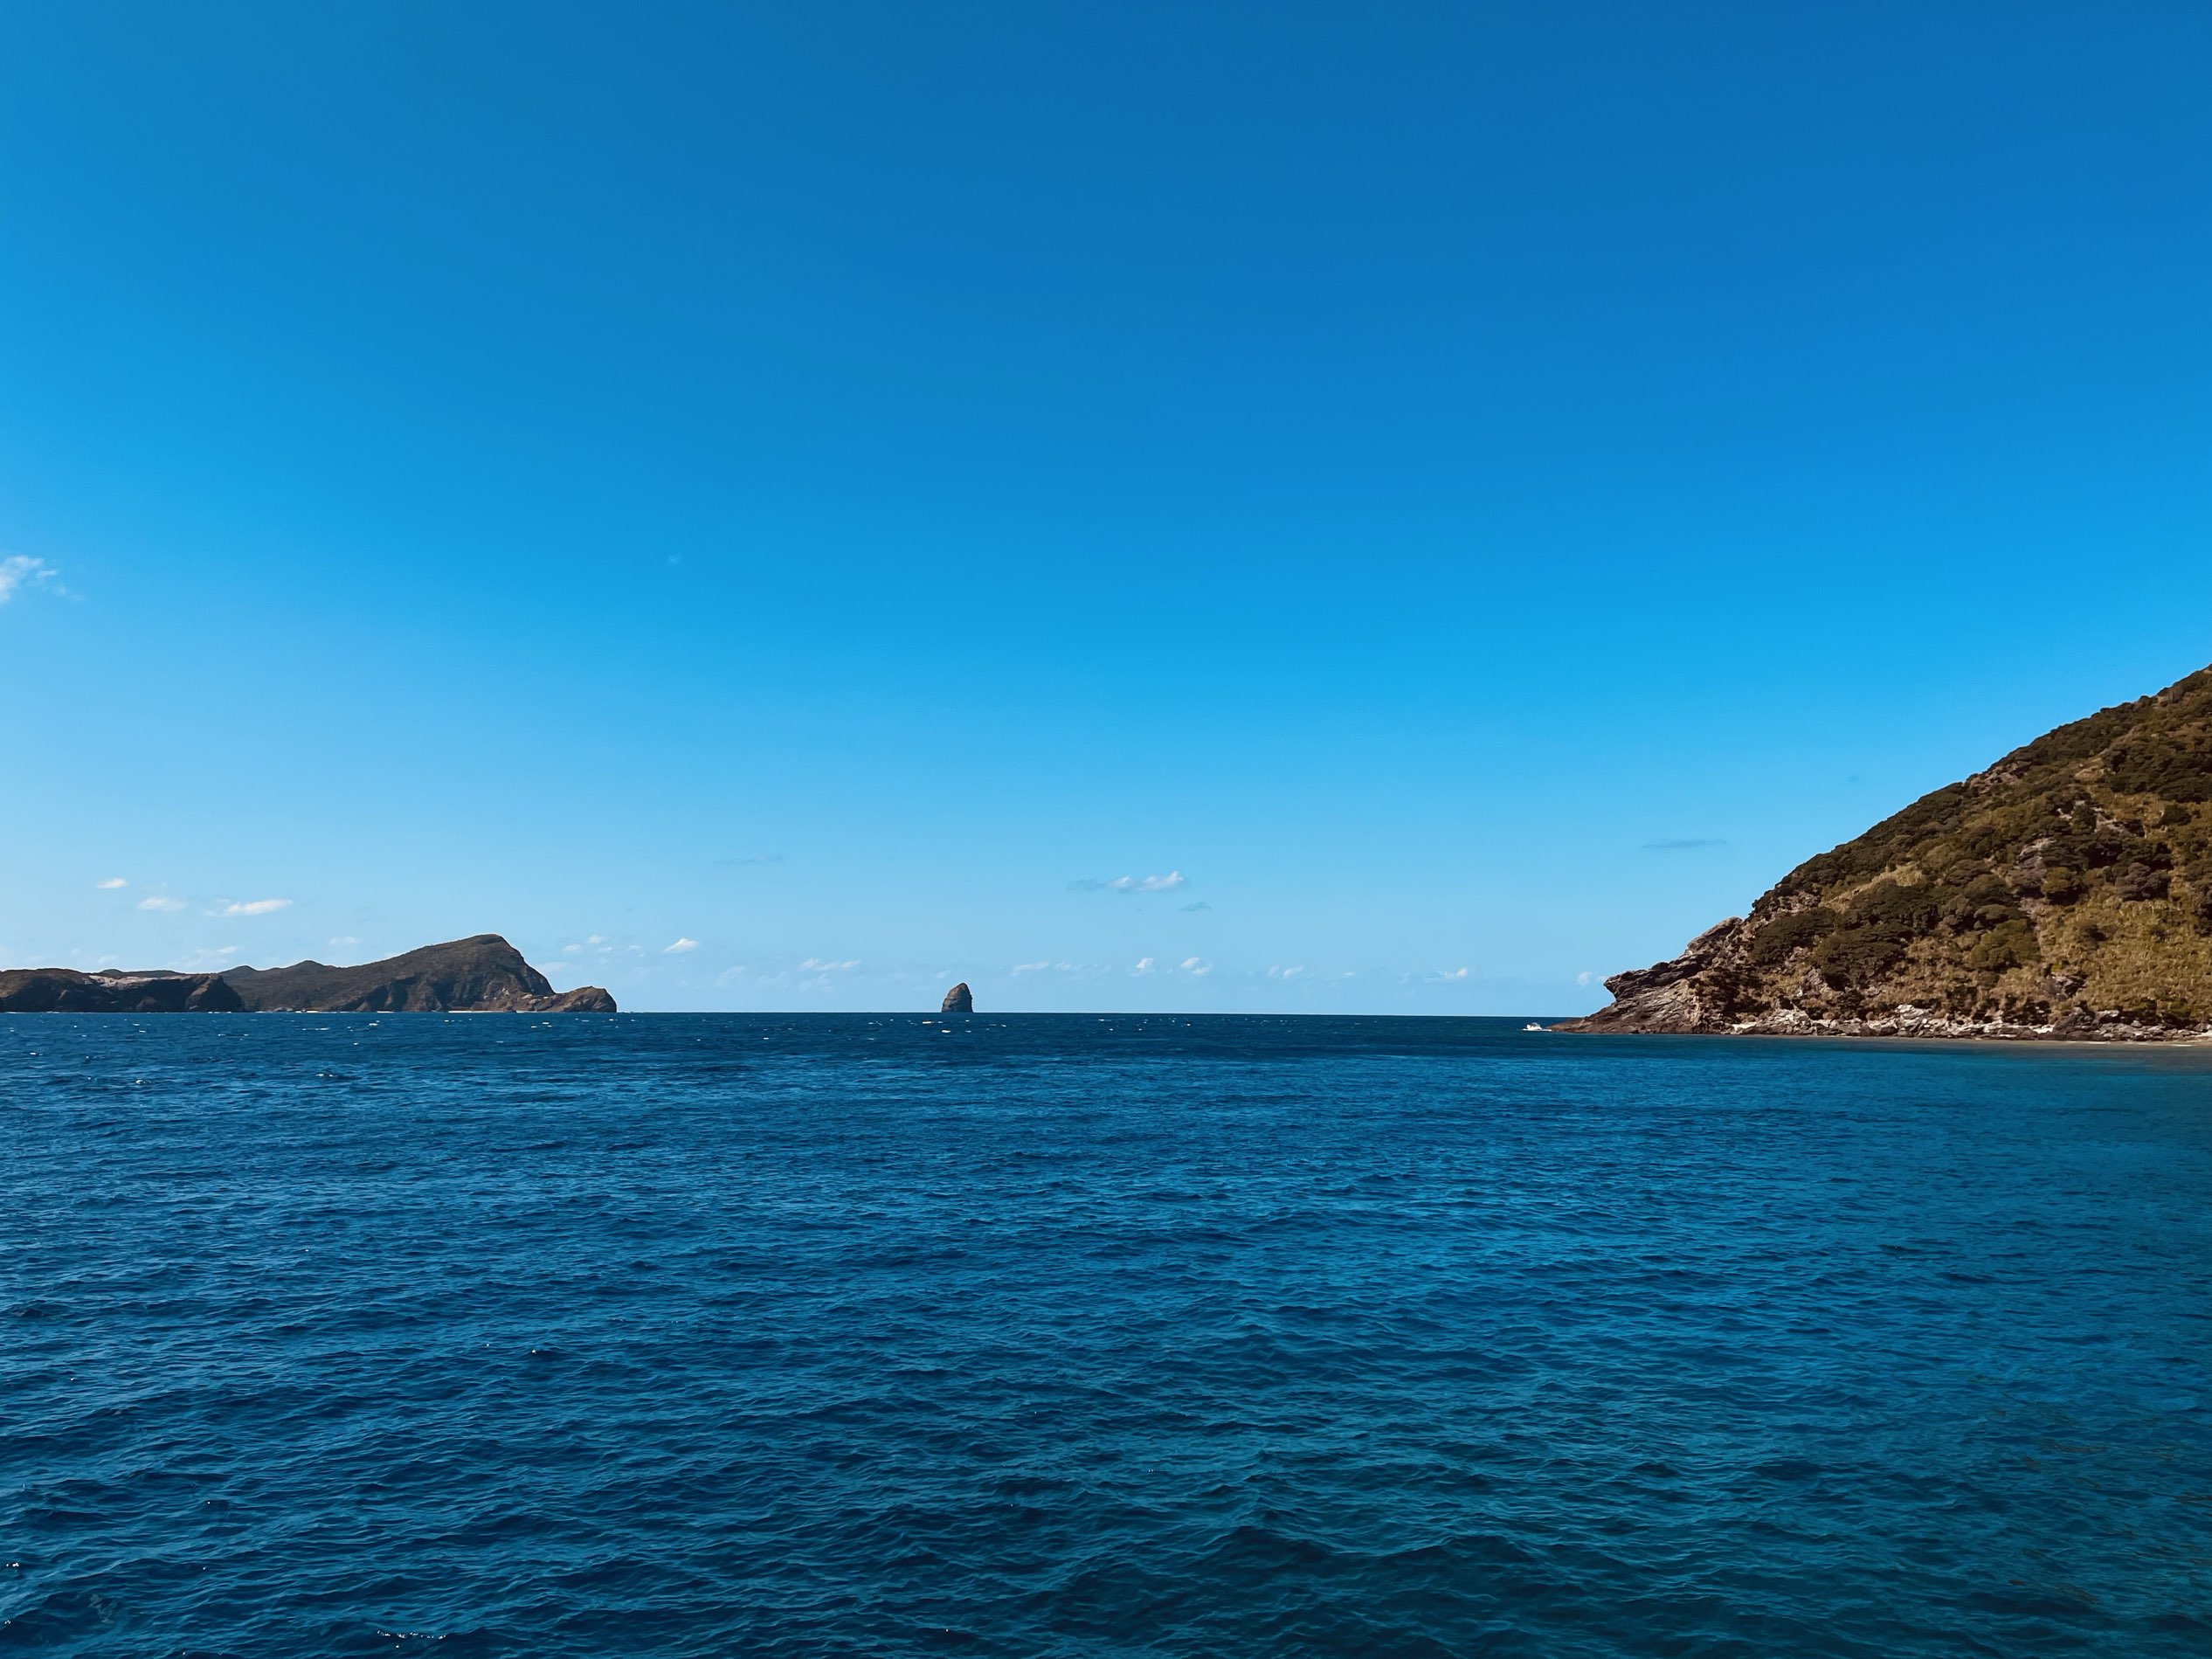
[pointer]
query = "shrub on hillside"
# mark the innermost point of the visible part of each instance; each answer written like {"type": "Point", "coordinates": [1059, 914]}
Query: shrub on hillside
{"type": "Point", "coordinates": [2012, 945]}
{"type": "Point", "coordinates": [2177, 767]}
{"type": "Point", "coordinates": [1773, 944]}
{"type": "Point", "coordinates": [2139, 881]}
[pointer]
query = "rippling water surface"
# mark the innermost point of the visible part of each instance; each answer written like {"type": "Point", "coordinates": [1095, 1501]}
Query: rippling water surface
{"type": "Point", "coordinates": [1057, 1335]}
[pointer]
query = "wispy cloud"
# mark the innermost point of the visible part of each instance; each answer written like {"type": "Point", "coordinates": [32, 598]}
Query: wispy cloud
{"type": "Point", "coordinates": [111, 884]}
{"type": "Point", "coordinates": [1193, 910]}
{"type": "Point", "coordinates": [1030, 967]}
{"type": "Point", "coordinates": [1145, 965]}
{"type": "Point", "coordinates": [255, 907]}
{"type": "Point", "coordinates": [1284, 973]}
{"type": "Point", "coordinates": [203, 961]}
{"type": "Point", "coordinates": [1585, 977]}
{"type": "Point", "coordinates": [345, 938]}
{"type": "Point", "coordinates": [160, 902]}
{"type": "Point", "coordinates": [1193, 965]}
{"type": "Point", "coordinates": [1167, 883]}
{"type": "Point", "coordinates": [679, 947]}
{"type": "Point", "coordinates": [1449, 976]}
{"type": "Point", "coordinates": [20, 574]}
{"type": "Point", "coordinates": [817, 965]}
{"type": "Point", "coordinates": [1683, 844]}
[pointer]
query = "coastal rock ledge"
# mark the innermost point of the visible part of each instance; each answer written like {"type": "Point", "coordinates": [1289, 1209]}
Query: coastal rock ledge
{"type": "Point", "coordinates": [2065, 893]}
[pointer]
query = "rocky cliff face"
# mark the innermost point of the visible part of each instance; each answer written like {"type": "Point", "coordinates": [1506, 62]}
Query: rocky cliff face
{"type": "Point", "coordinates": [2065, 892]}
{"type": "Point", "coordinates": [958, 1001]}
{"type": "Point", "coordinates": [482, 974]}
{"type": "Point", "coordinates": [62, 990]}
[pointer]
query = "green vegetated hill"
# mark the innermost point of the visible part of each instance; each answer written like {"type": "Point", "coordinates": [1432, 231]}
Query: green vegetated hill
{"type": "Point", "coordinates": [2066, 891]}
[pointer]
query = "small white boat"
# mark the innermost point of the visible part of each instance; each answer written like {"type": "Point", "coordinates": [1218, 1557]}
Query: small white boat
{"type": "Point", "coordinates": [1532, 1026]}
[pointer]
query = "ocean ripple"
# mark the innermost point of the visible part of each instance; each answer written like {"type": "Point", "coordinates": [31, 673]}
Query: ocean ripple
{"type": "Point", "coordinates": [853, 1335]}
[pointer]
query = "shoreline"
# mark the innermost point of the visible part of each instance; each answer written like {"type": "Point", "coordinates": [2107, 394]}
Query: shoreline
{"type": "Point", "coordinates": [1928, 1029]}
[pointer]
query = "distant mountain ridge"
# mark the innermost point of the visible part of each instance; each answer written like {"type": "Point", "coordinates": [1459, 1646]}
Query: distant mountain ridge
{"type": "Point", "coordinates": [481, 974]}
{"type": "Point", "coordinates": [2065, 892]}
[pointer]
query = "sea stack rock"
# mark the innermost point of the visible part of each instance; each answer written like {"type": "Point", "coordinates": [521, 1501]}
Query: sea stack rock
{"type": "Point", "coordinates": [957, 1000]}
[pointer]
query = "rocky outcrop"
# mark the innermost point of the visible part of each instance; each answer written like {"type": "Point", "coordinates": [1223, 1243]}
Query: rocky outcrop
{"type": "Point", "coordinates": [582, 999]}
{"type": "Point", "coordinates": [480, 975]}
{"type": "Point", "coordinates": [64, 991]}
{"type": "Point", "coordinates": [2064, 893]}
{"type": "Point", "coordinates": [957, 1000]}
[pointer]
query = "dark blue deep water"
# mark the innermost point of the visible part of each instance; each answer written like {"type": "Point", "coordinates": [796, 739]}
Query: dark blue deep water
{"type": "Point", "coordinates": [1053, 1334]}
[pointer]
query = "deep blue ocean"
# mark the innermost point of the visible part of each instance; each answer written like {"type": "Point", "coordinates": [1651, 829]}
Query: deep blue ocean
{"type": "Point", "coordinates": [1056, 1335]}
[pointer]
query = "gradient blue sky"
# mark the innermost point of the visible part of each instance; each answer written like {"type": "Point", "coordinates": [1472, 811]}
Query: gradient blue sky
{"type": "Point", "coordinates": [1459, 496]}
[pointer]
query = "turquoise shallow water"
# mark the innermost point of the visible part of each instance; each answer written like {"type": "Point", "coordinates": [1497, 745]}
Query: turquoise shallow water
{"type": "Point", "coordinates": [1056, 1335]}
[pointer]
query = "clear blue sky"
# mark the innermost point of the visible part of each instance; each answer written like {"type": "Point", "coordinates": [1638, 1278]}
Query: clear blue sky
{"type": "Point", "coordinates": [1461, 496]}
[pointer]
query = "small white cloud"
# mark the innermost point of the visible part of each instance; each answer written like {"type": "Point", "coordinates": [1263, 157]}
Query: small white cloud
{"type": "Point", "coordinates": [572, 949]}
{"type": "Point", "coordinates": [1450, 976]}
{"type": "Point", "coordinates": [1584, 978]}
{"type": "Point", "coordinates": [816, 964]}
{"type": "Point", "coordinates": [596, 938]}
{"type": "Point", "coordinates": [679, 947]}
{"type": "Point", "coordinates": [1284, 973]}
{"type": "Point", "coordinates": [160, 902]}
{"type": "Point", "coordinates": [111, 884]}
{"type": "Point", "coordinates": [729, 975]}
{"type": "Point", "coordinates": [345, 938]}
{"type": "Point", "coordinates": [1167, 883]}
{"type": "Point", "coordinates": [19, 573]}
{"type": "Point", "coordinates": [1145, 965]}
{"type": "Point", "coordinates": [255, 907]}
{"type": "Point", "coordinates": [1031, 967]}
{"type": "Point", "coordinates": [1193, 965]}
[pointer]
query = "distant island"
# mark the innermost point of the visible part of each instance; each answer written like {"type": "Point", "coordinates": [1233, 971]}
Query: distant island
{"type": "Point", "coordinates": [2066, 893]}
{"type": "Point", "coordinates": [484, 974]}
